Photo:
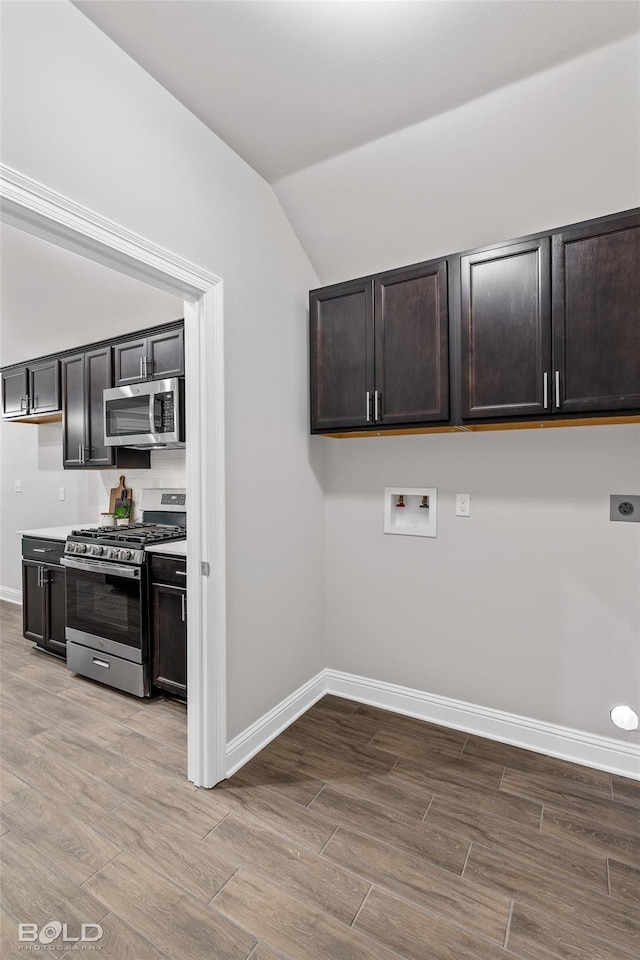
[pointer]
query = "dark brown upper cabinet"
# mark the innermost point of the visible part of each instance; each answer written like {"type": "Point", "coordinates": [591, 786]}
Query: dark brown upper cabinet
{"type": "Point", "coordinates": [31, 390]}
{"type": "Point", "coordinates": [154, 357]}
{"type": "Point", "coordinates": [412, 345]}
{"type": "Point", "coordinates": [379, 350]}
{"type": "Point", "coordinates": [85, 376]}
{"type": "Point", "coordinates": [596, 317]}
{"type": "Point", "coordinates": [342, 371]}
{"type": "Point", "coordinates": [505, 311]}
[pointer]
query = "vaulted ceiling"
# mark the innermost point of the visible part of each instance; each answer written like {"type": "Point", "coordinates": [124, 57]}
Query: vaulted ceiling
{"type": "Point", "coordinates": [289, 83]}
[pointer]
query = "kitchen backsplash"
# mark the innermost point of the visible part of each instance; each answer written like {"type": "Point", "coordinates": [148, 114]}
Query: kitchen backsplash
{"type": "Point", "coordinates": [167, 470]}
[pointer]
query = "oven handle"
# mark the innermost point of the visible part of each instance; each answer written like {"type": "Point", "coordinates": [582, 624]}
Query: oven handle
{"type": "Point", "coordinates": [96, 566]}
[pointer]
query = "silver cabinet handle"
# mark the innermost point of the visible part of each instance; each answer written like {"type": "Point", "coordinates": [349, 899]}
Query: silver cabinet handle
{"type": "Point", "coordinates": [100, 663]}
{"type": "Point", "coordinates": [558, 389]}
{"type": "Point", "coordinates": [184, 608]}
{"type": "Point", "coordinates": [144, 367]}
{"type": "Point", "coordinates": [545, 390]}
{"type": "Point", "coordinates": [180, 573]}
{"type": "Point", "coordinates": [141, 374]}
{"type": "Point", "coordinates": [43, 549]}
{"type": "Point", "coordinates": [376, 411]}
{"type": "Point", "coordinates": [23, 401]}
{"type": "Point", "coordinates": [39, 576]}
{"type": "Point", "coordinates": [368, 406]}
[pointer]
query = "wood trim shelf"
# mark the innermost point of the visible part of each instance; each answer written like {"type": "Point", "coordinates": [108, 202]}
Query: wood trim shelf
{"type": "Point", "coordinates": [479, 427]}
{"type": "Point", "coordinates": [55, 417]}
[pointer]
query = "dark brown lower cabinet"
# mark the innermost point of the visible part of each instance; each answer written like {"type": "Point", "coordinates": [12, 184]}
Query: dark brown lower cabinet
{"type": "Point", "coordinates": [43, 603]}
{"type": "Point", "coordinates": [169, 625]}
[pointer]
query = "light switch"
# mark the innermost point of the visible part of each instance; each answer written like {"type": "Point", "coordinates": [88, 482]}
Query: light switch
{"type": "Point", "coordinates": [17, 486]}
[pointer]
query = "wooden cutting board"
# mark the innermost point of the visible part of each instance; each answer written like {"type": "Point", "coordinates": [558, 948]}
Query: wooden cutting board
{"type": "Point", "coordinates": [121, 492]}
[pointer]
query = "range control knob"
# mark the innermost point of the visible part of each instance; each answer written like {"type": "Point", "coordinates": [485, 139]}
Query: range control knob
{"type": "Point", "coordinates": [70, 548]}
{"type": "Point", "coordinates": [125, 554]}
{"type": "Point", "coordinates": [81, 547]}
{"type": "Point", "coordinates": [96, 551]}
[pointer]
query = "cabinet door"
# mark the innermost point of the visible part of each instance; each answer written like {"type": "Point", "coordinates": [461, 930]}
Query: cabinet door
{"type": "Point", "coordinates": [33, 605]}
{"type": "Point", "coordinates": [128, 362]}
{"type": "Point", "coordinates": [165, 355]}
{"type": "Point", "coordinates": [55, 609]}
{"type": "Point", "coordinates": [15, 390]}
{"type": "Point", "coordinates": [73, 410]}
{"type": "Point", "coordinates": [411, 345]}
{"type": "Point", "coordinates": [342, 369]}
{"type": "Point", "coordinates": [169, 639]}
{"type": "Point", "coordinates": [506, 331]}
{"type": "Point", "coordinates": [98, 377]}
{"type": "Point", "coordinates": [596, 317]}
{"type": "Point", "coordinates": [44, 387]}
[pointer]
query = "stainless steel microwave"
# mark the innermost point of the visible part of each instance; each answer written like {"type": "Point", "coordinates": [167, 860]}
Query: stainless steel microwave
{"type": "Point", "coordinates": [145, 415]}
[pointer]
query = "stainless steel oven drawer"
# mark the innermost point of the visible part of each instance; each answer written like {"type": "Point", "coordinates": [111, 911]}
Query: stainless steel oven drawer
{"type": "Point", "coordinates": [105, 668]}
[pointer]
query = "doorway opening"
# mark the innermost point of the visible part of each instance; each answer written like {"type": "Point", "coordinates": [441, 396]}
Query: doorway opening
{"type": "Point", "coordinates": [35, 209]}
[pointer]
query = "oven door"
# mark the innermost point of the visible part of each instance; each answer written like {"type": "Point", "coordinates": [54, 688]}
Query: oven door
{"type": "Point", "coordinates": [105, 607]}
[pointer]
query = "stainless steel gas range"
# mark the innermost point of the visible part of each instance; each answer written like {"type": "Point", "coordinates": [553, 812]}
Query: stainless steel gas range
{"type": "Point", "coordinates": [107, 606]}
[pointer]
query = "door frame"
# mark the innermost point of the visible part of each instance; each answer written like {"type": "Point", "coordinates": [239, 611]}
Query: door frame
{"type": "Point", "coordinates": [34, 208]}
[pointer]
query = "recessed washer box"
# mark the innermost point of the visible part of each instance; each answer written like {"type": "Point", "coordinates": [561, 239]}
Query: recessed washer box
{"type": "Point", "coordinates": [411, 511]}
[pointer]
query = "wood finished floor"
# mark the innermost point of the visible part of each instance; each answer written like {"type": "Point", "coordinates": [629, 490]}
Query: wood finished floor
{"type": "Point", "coordinates": [356, 835]}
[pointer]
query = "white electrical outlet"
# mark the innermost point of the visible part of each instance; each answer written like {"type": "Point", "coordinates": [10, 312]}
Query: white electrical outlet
{"type": "Point", "coordinates": [463, 504]}
{"type": "Point", "coordinates": [17, 486]}
{"type": "Point", "coordinates": [61, 494]}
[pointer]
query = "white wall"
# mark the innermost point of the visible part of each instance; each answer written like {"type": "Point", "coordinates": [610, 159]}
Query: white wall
{"type": "Point", "coordinates": [556, 148]}
{"type": "Point", "coordinates": [532, 604]}
{"type": "Point", "coordinates": [32, 454]}
{"type": "Point", "coordinates": [549, 625]}
{"type": "Point", "coordinates": [81, 117]}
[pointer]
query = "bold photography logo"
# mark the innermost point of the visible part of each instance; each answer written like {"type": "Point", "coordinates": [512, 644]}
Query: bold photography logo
{"type": "Point", "coordinates": [54, 930]}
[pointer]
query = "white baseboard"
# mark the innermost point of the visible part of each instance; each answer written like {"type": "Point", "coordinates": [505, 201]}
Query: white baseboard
{"type": "Point", "coordinates": [11, 595]}
{"type": "Point", "coordinates": [266, 728]}
{"type": "Point", "coordinates": [621, 757]}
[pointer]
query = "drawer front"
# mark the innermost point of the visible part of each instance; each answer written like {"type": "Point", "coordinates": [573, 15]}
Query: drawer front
{"type": "Point", "coordinates": [105, 668]}
{"type": "Point", "coordinates": [46, 551]}
{"type": "Point", "coordinates": [171, 570]}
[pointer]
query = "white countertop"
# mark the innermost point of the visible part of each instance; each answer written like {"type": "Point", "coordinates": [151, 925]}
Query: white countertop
{"type": "Point", "coordinates": [175, 548]}
{"type": "Point", "coordinates": [57, 533]}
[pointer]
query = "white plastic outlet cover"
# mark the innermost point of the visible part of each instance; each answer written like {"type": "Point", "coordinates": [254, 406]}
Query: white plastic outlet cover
{"type": "Point", "coordinates": [411, 511]}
